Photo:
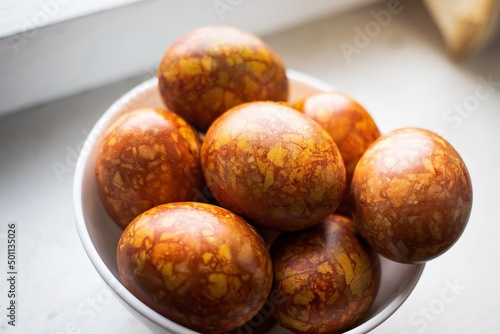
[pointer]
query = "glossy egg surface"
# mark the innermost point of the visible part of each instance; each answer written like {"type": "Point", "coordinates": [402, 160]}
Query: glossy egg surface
{"type": "Point", "coordinates": [197, 264]}
{"type": "Point", "coordinates": [412, 195]}
{"type": "Point", "coordinates": [327, 275]}
{"type": "Point", "coordinates": [273, 165]}
{"type": "Point", "coordinates": [147, 157]}
{"type": "Point", "coordinates": [211, 69]}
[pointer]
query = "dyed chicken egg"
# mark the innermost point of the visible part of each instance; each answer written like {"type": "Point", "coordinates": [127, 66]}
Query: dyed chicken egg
{"type": "Point", "coordinates": [327, 276]}
{"type": "Point", "coordinates": [412, 195]}
{"type": "Point", "coordinates": [196, 264]}
{"type": "Point", "coordinates": [348, 123]}
{"type": "Point", "coordinates": [260, 323]}
{"type": "Point", "coordinates": [273, 165]}
{"type": "Point", "coordinates": [147, 157]}
{"type": "Point", "coordinates": [211, 69]}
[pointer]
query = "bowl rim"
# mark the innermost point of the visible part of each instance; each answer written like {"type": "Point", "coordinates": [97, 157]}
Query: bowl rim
{"type": "Point", "coordinates": [125, 295]}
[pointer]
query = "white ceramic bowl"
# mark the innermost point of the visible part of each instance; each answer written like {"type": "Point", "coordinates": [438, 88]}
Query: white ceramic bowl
{"type": "Point", "coordinates": [99, 234]}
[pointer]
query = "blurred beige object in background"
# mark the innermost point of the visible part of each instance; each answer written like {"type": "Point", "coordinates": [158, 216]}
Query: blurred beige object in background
{"type": "Point", "coordinates": [467, 26]}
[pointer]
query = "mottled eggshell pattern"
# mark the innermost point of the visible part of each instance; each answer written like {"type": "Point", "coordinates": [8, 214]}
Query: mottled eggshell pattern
{"type": "Point", "coordinates": [412, 195]}
{"type": "Point", "coordinates": [147, 157]}
{"type": "Point", "coordinates": [348, 123]}
{"type": "Point", "coordinates": [197, 264]}
{"type": "Point", "coordinates": [327, 275]}
{"type": "Point", "coordinates": [260, 323]}
{"type": "Point", "coordinates": [211, 69]}
{"type": "Point", "coordinates": [273, 165]}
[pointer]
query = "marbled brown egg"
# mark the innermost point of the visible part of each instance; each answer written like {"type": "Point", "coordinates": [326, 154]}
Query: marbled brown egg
{"type": "Point", "coordinates": [260, 323]}
{"type": "Point", "coordinates": [273, 165]}
{"type": "Point", "coordinates": [197, 264]}
{"type": "Point", "coordinates": [348, 123]}
{"type": "Point", "coordinates": [147, 157]}
{"type": "Point", "coordinates": [327, 276]}
{"type": "Point", "coordinates": [211, 69]}
{"type": "Point", "coordinates": [412, 195]}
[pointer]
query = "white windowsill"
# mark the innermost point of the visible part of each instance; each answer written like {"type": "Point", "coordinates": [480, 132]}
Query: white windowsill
{"type": "Point", "coordinates": [18, 16]}
{"type": "Point", "coordinates": [77, 45]}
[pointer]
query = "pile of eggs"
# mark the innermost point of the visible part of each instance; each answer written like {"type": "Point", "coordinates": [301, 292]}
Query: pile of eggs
{"type": "Point", "coordinates": [304, 196]}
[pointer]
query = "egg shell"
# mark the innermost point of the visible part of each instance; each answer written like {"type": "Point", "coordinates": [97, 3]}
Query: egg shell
{"type": "Point", "coordinates": [327, 275]}
{"type": "Point", "coordinates": [211, 69]}
{"type": "Point", "coordinates": [273, 165]}
{"type": "Point", "coordinates": [260, 323]}
{"type": "Point", "coordinates": [348, 123]}
{"type": "Point", "coordinates": [147, 157]}
{"type": "Point", "coordinates": [197, 264]}
{"type": "Point", "coordinates": [412, 195]}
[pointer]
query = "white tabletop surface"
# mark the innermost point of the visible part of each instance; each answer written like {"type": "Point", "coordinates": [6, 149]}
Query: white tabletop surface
{"type": "Point", "coordinates": [400, 73]}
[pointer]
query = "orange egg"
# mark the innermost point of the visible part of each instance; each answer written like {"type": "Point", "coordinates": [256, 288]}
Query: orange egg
{"type": "Point", "coordinates": [147, 157]}
{"type": "Point", "coordinates": [273, 165]}
{"type": "Point", "coordinates": [260, 323]}
{"type": "Point", "coordinates": [197, 264]}
{"type": "Point", "coordinates": [412, 195]}
{"type": "Point", "coordinates": [326, 275]}
{"type": "Point", "coordinates": [211, 69]}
